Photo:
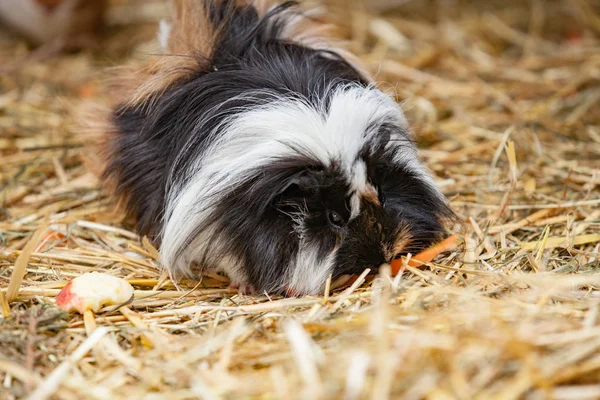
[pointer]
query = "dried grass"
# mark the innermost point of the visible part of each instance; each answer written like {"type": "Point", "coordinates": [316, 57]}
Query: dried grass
{"type": "Point", "coordinates": [504, 97]}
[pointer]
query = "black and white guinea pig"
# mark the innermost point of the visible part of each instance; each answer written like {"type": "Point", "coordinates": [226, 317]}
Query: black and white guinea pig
{"type": "Point", "coordinates": [255, 147]}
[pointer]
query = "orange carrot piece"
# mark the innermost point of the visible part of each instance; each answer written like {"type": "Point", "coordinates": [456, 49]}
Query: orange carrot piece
{"type": "Point", "coordinates": [427, 255]}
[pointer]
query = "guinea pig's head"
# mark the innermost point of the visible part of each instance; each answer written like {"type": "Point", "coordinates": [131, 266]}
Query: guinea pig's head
{"type": "Point", "coordinates": [291, 191]}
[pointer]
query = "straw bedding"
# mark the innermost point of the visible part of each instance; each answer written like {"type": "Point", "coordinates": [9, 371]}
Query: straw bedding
{"type": "Point", "coordinates": [504, 98]}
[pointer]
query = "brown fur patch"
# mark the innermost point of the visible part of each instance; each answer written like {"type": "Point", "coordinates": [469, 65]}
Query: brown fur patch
{"type": "Point", "coordinates": [403, 239]}
{"type": "Point", "coordinates": [371, 195]}
{"type": "Point", "coordinates": [189, 47]}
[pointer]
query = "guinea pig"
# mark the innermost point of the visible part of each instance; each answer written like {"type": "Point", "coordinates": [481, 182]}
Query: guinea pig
{"type": "Point", "coordinates": [257, 147]}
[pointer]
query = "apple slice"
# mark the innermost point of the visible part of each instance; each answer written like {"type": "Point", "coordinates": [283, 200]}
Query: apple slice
{"type": "Point", "coordinates": [92, 291]}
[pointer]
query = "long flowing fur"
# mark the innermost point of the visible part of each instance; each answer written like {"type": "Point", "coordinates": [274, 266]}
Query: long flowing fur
{"type": "Point", "coordinates": [257, 147]}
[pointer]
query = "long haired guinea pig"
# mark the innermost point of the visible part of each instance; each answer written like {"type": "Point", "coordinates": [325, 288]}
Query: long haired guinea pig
{"type": "Point", "coordinates": [255, 147]}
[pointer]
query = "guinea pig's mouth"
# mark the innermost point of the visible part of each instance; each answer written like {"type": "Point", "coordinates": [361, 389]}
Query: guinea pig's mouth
{"type": "Point", "coordinates": [346, 276]}
{"type": "Point", "coordinates": [338, 281]}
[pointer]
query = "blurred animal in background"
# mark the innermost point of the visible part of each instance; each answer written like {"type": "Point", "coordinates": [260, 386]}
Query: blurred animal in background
{"type": "Point", "coordinates": [53, 26]}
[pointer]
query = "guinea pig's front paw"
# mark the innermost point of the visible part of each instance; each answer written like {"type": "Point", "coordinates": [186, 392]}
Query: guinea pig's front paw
{"type": "Point", "coordinates": [242, 288]}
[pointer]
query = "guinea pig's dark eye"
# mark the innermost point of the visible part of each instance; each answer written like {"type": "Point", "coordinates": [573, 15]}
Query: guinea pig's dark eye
{"type": "Point", "coordinates": [335, 219]}
{"type": "Point", "coordinates": [381, 196]}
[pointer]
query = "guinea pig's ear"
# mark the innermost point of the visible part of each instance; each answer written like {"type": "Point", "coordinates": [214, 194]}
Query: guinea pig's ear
{"type": "Point", "coordinates": [296, 188]}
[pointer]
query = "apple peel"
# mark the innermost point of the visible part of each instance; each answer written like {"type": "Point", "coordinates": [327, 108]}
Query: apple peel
{"type": "Point", "coordinates": [92, 291]}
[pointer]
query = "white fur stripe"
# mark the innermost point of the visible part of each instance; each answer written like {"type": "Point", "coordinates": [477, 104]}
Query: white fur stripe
{"type": "Point", "coordinates": [309, 273]}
